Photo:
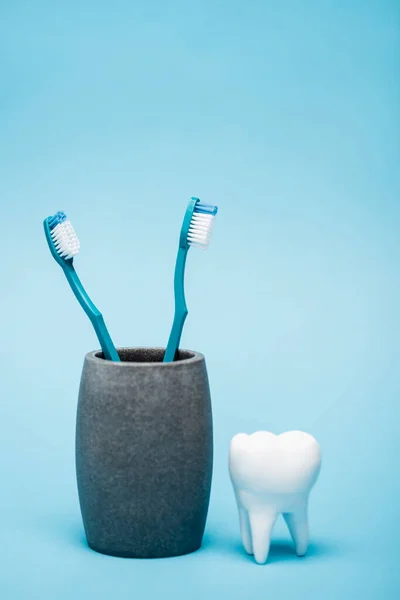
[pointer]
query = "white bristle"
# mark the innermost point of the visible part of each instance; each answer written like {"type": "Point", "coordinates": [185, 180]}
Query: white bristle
{"type": "Point", "coordinates": [65, 240]}
{"type": "Point", "coordinates": [200, 230]}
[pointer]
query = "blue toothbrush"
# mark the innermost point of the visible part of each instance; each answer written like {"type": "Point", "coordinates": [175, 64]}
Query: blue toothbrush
{"type": "Point", "coordinates": [196, 231]}
{"type": "Point", "coordinates": [64, 245]}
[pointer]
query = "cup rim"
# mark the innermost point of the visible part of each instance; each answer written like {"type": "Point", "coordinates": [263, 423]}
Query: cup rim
{"type": "Point", "coordinates": [195, 358]}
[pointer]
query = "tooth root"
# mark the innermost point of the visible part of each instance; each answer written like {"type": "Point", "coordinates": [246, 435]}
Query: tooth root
{"type": "Point", "coordinates": [297, 522]}
{"type": "Point", "coordinates": [261, 524]}
{"type": "Point", "coordinates": [245, 530]}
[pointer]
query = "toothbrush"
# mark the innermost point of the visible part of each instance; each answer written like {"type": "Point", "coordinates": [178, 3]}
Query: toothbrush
{"type": "Point", "coordinates": [64, 246]}
{"type": "Point", "coordinates": [196, 231]}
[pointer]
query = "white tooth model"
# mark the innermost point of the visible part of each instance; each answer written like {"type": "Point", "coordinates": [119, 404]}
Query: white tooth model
{"type": "Point", "coordinates": [273, 474]}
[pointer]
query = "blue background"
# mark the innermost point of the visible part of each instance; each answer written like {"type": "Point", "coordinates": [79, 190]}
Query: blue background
{"type": "Point", "coordinates": [286, 114]}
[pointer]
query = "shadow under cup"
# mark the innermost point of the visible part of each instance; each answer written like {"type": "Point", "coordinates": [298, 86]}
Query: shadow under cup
{"type": "Point", "coordinates": [144, 452]}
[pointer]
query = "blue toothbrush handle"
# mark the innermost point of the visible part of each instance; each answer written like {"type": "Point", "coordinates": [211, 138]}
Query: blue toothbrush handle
{"type": "Point", "coordinates": [92, 312]}
{"type": "Point", "coordinates": [181, 310]}
{"type": "Point", "coordinates": [175, 336]}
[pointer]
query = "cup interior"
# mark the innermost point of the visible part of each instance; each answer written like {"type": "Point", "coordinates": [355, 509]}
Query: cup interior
{"type": "Point", "coordinates": [146, 355]}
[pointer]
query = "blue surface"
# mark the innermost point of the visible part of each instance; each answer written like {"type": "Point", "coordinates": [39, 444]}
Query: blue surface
{"type": "Point", "coordinates": [286, 115]}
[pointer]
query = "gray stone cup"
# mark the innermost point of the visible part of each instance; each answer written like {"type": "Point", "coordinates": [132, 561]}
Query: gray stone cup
{"type": "Point", "coordinates": [144, 452]}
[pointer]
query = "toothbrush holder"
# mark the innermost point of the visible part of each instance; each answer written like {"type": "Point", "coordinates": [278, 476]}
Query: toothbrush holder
{"type": "Point", "coordinates": [144, 452]}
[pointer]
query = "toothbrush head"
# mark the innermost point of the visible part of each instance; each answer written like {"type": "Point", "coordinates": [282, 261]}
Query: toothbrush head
{"type": "Point", "coordinates": [197, 225]}
{"type": "Point", "coordinates": [61, 237]}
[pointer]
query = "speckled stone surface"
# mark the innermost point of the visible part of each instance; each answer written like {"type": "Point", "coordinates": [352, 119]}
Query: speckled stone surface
{"type": "Point", "coordinates": [144, 453]}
